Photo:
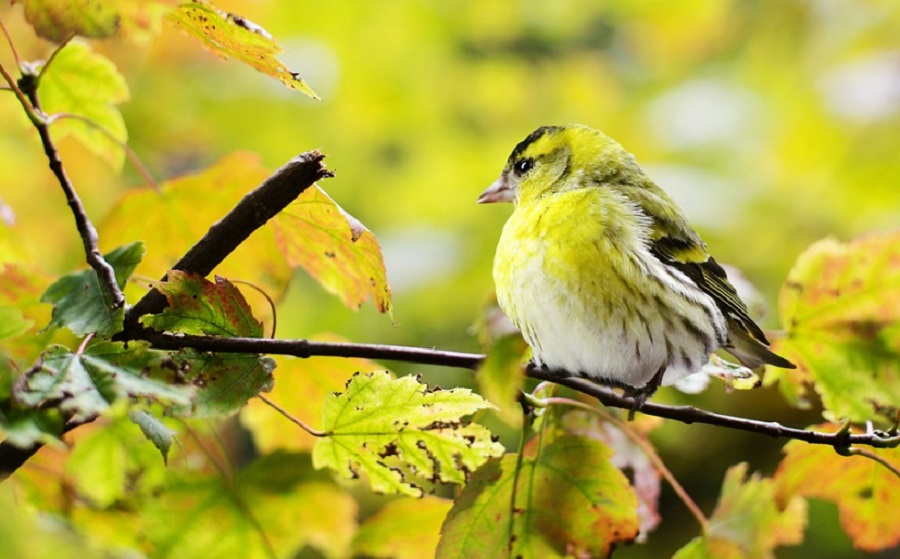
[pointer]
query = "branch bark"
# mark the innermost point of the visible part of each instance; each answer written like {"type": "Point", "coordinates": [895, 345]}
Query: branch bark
{"type": "Point", "coordinates": [251, 213]}
{"type": "Point", "coordinates": [425, 356]}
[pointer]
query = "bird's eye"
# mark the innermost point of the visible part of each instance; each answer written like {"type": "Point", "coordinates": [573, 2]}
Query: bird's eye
{"type": "Point", "coordinates": [524, 166]}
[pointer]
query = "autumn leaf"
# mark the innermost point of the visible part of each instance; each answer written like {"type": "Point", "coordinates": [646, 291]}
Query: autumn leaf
{"type": "Point", "coordinates": [569, 501]}
{"type": "Point", "coordinates": [502, 375]}
{"type": "Point", "coordinates": [841, 308]}
{"type": "Point", "coordinates": [628, 456]}
{"type": "Point", "coordinates": [386, 534]}
{"type": "Point", "coordinates": [400, 433]}
{"type": "Point", "coordinates": [336, 249]}
{"type": "Point", "coordinates": [201, 307]}
{"type": "Point", "coordinates": [230, 35]}
{"type": "Point", "coordinates": [748, 522]}
{"type": "Point", "coordinates": [223, 381]}
{"type": "Point", "coordinates": [862, 489]}
{"type": "Point", "coordinates": [56, 20]}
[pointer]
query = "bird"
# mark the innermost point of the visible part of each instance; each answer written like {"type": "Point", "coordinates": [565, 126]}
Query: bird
{"type": "Point", "coordinates": [602, 273]}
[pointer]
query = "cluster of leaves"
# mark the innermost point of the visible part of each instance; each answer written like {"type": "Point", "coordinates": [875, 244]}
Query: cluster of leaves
{"type": "Point", "coordinates": [582, 485]}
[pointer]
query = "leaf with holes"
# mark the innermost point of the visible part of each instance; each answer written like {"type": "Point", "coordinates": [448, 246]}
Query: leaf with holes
{"type": "Point", "coordinates": [401, 434]}
{"type": "Point", "coordinates": [82, 305]}
{"type": "Point", "coordinates": [336, 249]}
{"type": "Point", "coordinates": [199, 306]}
{"type": "Point", "coordinates": [749, 522]}
{"type": "Point", "coordinates": [87, 384]}
{"type": "Point", "coordinates": [570, 501]}
{"type": "Point", "coordinates": [841, 308]}
{"type": "Point", "coordinates": [230, 35]}
{"type": "Point", "coordinates": [862, 489]}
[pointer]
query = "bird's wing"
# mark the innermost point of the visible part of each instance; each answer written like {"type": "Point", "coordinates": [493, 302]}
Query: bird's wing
{"type": "Point", "coordinates": [689, 256]}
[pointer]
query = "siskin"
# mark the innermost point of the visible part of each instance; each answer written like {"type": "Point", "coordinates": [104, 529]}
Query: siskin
{"type": "Point", "coordinates": [603, 274]}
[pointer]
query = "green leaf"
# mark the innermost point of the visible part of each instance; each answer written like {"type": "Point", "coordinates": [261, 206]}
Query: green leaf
{"type": "Point", "coordinates": [273, 508]}
{"type": "Point", "coordinates": [569, 501]}
{"type": "Point", "coordinates": [861, 488]}
{"type": "Point", "coordinates": [230, 35]}
{"type": "Point", "coordinates": [502, 375]}
{"type": "Point", "coordinates": [223, 381]}
{"type": "Point", "coordinates": [749, 522]}
{"type": "Point", "coordinates": [198, 306]}
{"type": "Point", "coordinates": [155, 431]}
{"type": "Point", "coordinates": [841, 308]}
{"type": "Point", "coordinates": [56, 20]}
{"type": "Point", "coordinates": [85, 385]}
{"type": "Point", "coordinates": [27, 532]}
{"type": "Point", "coordinates": [82, 305]}
{"type": "Point", "coordinates": [334, 248]}
{"type": "Point", "coordinates": [99, 466]}
{"type": "Point", "coordinates": [12, 322]}
{"type": "Point", "coordinates": [303, 385]}
{"type": "Point", "coordinates": [401, 434]}
{"type": "Point", "coordinates": [387, 533]}
{"type": "Point", "coordinates": [84, 83]}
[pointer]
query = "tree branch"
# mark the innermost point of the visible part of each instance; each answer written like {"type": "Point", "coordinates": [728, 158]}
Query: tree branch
{"type": "Point", "coordinates": [425, 356]}
{"type": "Point", "coordinates": [89, 239]}
{"type": "Point", "coordinates": [251, 213]}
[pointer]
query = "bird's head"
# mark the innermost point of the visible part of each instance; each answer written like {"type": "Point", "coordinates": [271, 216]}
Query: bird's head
{"type": "Point", "coordinates": [555, 159]}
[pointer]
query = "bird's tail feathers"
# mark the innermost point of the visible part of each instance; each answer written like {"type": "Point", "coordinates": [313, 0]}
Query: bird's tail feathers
{"type": "Point", "coordinates": [751, 352]}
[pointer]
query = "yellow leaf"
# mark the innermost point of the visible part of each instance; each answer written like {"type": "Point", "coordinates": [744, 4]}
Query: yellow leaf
{"type": "Point", "coordinates": [336, 249]}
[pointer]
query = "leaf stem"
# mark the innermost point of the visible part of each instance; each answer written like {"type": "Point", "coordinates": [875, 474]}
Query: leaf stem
{"type": "Point", "coordinates": [133, 158]}
{"type": "Point", "coordinates": [872, 456]}
{"type": "Point", "coordinates": [262, 292]}
{"type": "Point", "coordinates": [56, 51]}
{"type": "Point", "coordinates": [302, 424]}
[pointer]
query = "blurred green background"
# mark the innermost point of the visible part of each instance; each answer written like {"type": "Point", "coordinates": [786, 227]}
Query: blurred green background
{"type": "Point", "coordinates": [773, 123]}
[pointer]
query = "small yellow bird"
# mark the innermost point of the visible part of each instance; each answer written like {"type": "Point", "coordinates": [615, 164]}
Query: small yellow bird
{"type": "Point", "coordinates": [601, 271]}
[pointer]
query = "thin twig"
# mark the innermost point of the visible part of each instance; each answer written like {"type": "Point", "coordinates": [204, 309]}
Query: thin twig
{"type": "Point", "coordinates": [271, 301]}
{"type": "Point", "coordinates": [86, 230]}
{"type": "Point", "coordinates": [12, 46]}
{"type": "Point", "coordinates": [35, 118]}
{"type": "Point", "coordinates": [56, 51]}
{"type": "Point", "coordinates": [133, 158]}
{"type": "Point", "coordinates": [287, 414]}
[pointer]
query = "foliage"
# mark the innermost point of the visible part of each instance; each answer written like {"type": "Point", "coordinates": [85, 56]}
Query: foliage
{"type": "Point", "coordinates": [421, 105]}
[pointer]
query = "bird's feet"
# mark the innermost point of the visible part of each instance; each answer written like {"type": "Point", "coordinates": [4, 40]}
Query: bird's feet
{"type": "Point", "coordinates": [640, 395]}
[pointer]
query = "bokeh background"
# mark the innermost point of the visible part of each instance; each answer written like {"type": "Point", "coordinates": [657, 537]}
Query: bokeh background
{"type": "Point", "coordinates": [773, 123]}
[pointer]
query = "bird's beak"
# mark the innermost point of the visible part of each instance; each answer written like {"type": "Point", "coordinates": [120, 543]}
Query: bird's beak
{"type": "Point", "coordinates": [500, 191]}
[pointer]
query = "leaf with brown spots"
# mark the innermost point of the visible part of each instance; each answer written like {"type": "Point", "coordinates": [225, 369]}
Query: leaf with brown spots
{"type": "Point", "coordinates": [335, 248]}
{"type": "Point", "coordinates": [230, 35]}
{"type": "Point", "coordinates": [570, 501]}
{"type": "Point", "coordinates": [864, 491]}
{"type": "Point", "coordinates": [841, 309]}
{"type": "Point", "coordinates": [401, 434]}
